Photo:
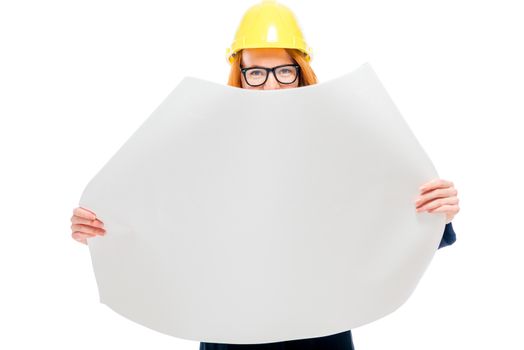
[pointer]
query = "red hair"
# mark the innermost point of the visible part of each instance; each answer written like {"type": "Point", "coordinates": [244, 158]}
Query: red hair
{"type": "Point", "coordinates": [307, 75]}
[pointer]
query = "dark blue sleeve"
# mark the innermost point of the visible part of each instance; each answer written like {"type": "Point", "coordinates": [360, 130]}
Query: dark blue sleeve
{"type": "Point", "coordinates": [343, 340]}
{"type": "Point", "coordinates": [449, 236]}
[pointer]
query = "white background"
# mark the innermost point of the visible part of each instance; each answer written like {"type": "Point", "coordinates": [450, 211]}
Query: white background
{"type": "Point", "coordinates": [78, 78]}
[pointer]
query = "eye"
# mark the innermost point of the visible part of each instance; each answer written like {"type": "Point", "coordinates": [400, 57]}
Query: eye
{"type": "Point", "coordinates": [255, 72]}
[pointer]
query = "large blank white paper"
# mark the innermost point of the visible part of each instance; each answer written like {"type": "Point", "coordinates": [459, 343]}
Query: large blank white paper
{"type": "Point", "coordinates": [247, 216]}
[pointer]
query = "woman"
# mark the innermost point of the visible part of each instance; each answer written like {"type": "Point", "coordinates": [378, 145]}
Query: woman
{"type": "Point", "coordinates": [280, 60]}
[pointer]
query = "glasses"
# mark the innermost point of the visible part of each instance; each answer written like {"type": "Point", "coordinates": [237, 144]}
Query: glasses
{"type": "Point", "coordinates": [284, 74]}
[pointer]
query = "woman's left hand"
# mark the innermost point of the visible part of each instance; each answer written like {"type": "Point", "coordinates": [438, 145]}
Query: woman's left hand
{"type": "Point", "coordinates": [438, 196]}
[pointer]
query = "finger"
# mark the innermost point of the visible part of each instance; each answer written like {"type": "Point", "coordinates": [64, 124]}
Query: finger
{"type": "Point", "coordinates": [429, 184]}
{"type": "Point", "coordinates": [80, 220]}
{"type": "Point", "coordinates": [88, 229]}
{"type": "Point", "coordinates": [81, 240]}
{"type": "Point", "coordinates": [81, 237]}
{"type": "Point", "coordinates": [84, 213]}
{"type": "Point", "coordinates": [446, 208]}
{"type": "Point", "coordinates": [435, 183]}
{"type": "Point", "coordinates": [437, 193]}
{"type": "Point", "coordinates": [438, 202]}
{"type": "Point", "coordinates": [81, 234]}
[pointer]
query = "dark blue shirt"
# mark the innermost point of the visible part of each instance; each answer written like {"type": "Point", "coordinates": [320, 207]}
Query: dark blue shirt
{"type": "Point", "coordinates": [339, 341]}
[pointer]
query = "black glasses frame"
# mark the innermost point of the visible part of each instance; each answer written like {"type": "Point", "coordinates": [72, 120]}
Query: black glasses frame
{"type": "Point", "coordinates": [268, 71]}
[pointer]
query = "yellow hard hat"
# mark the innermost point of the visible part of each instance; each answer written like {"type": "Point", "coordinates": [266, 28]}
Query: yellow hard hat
{"type": "Point", "coordinates": [268, 24]}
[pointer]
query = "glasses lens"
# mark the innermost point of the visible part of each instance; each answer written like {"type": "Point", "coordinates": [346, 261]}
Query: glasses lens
{"type": "Point", "coordinates": [255, 76]}
{"type": "Point", "coordinates": [286, 74]}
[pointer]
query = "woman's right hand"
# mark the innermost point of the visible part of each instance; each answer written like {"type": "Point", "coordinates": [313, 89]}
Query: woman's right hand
{"type": "Point", "coordinates": [85, 225]}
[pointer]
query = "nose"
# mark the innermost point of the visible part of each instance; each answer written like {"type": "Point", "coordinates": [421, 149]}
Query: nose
{"type": "Point", "coordinates": [271, 83]}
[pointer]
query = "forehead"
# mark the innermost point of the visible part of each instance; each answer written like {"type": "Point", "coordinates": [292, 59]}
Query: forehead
{"type": "Point", "coordinates": [267, 57]}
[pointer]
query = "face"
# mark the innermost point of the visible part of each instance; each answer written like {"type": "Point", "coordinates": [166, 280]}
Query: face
{"type": "Point", "coordinates": [267, 57]}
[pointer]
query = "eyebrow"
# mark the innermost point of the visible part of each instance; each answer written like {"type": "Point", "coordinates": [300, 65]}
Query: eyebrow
{"type": "Point", "coordinates": [278, 65]}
